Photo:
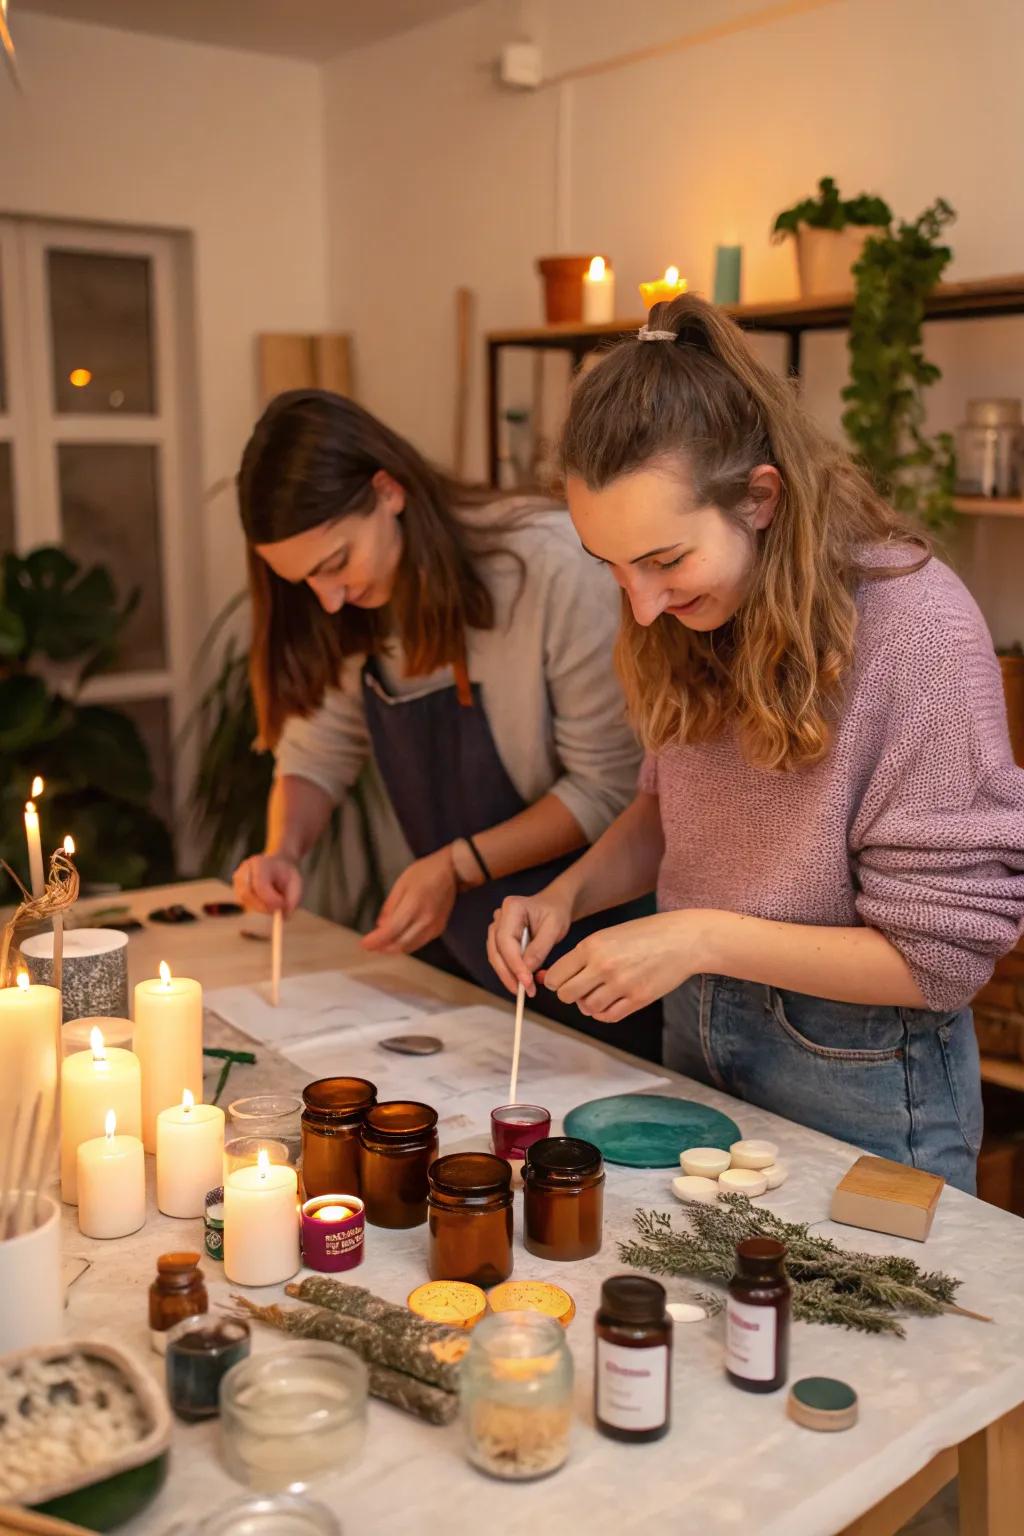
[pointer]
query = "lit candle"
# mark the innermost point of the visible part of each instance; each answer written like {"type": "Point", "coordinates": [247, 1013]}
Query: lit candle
{"type": "Point", "coordinates": [189, 1156]}
{"type": "Point", "coordinates": [598, 293]}
{"type": "Point", "coordinates": [261, 1224]}
{"type": "Point", "coordinates": [663, 288]}
{"type": "Point", "coordinates": [332, 1213]}
{"type": "Point", "coordinates": [169, 1044]}
{"type": "Point", "coordinates": [29, 1036]}
{"type": "Point", "coordinates": [32, 838]}
{"type": "Point", "coordinates": [111, 1184]}
{"type": "Point", "coordinates": [91, 1083]}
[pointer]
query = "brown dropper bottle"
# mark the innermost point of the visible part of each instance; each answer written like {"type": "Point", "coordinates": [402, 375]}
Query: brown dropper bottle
{"type": "Point", "coordinates": [757, 1317]}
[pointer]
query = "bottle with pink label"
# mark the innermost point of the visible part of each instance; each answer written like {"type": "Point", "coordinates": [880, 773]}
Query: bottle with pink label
{"type": "Point", "coordinates": [757, 1317]}
{"type": "Point", "coordinates": [633, 1360]}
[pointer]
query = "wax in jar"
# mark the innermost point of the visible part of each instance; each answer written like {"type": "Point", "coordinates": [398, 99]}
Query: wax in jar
{"type": "Point", "coordinates": [93, 1082]}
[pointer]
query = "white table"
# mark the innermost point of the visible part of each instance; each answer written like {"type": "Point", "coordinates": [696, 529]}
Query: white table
{"type": "Point", "coordinates": [947, 1398]}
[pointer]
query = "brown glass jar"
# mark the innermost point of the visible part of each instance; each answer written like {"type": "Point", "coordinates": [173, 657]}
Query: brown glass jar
{"type": "Point", "coordinates": [757, 1317]}
{"type": "Point", "coordinates": [179, 1291]}
{"type": "Point", "coordinates": [397, 1144]}
{"type": "Point", "coordinates": [332, 1112]}
{"type": "Point", "coordinates": [469, 1215]}
{"type": "Point", "coordinates": [633, 1360]}
{"type": "Point", "coordinates": [563, 1197]}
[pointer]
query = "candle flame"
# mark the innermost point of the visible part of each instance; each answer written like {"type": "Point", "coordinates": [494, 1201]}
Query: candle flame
{"type": "Point", "coordinates": [30, 808]}
{"type": "Point", "coordinates": [672, 275]}
{"type": "Point", "coordinates": [110, 1124]}
{"type": "Point", "coordinates": [23, 981]}
{"type": "Point", "coordinates": [96, 1043]}
{"type": "Point", "coordinates": [188, 1100]}
{"type": "Point", "coordinates": [37, 788]}
{"type": "Point", "coordinates": [263, 1163]}
{"type": "Point", "coordinates": [597, 268]}
{"type": "Point", "coordinates": [69, 846]}
{"type": "Point", "coordinates": [165, 973]}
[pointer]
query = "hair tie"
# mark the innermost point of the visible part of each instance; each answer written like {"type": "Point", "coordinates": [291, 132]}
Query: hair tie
{"type": "Point", "coordinates": [646, 334]}
{"type": "Point", "coordinates": [689, 335]}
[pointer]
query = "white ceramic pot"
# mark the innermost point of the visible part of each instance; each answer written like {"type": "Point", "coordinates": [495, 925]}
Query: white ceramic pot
{"type": "Point", "coordinates": [31, 1288]}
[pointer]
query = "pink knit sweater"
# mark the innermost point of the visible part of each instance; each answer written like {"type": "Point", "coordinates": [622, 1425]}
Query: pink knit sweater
{"type": "Point", "coordinates": [912, 824]}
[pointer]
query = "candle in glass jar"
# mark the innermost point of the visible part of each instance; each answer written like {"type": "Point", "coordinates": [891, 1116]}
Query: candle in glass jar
{"type": "Point", "coordinates": [111, 1184]}
{"type": "Point", "coordinates": [29, 1032]}
{"type": "Point", "coordinates": [189, 1156]}
{"type": "Point", "coordinates": [261, 1224]}
{"type": "Point", "coordinates": [169, 1045]}
{"type": "Point", "coordinates": [91, 1083]}
{"type": "Point", "coordinates": [33, 840]}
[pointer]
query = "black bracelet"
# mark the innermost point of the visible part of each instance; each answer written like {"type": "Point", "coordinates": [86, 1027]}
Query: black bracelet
{"type": "Point", "coordinates": [475, 851]}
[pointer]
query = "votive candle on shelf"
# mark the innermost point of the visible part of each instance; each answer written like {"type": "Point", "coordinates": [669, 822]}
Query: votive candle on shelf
{"type": "Point", "coordinates": [29, 1035]}
{"type": "Point", "coordinates": [598, 293]}
{"type": "Point", "coordinates": [91, 1083]}
{"type": "Point", "coordinates": [189, 1156]}
{"type": "Point", "coordinates": [663, 288]}
{"type": "Point", "coordinates": [37, 880]}
{"type": "Point", "coordinates": [111, 1184]}
{"type": "Point", "coordinates": [261, 1224]}
{"type": "Point", "coordinates": [169, 1045]}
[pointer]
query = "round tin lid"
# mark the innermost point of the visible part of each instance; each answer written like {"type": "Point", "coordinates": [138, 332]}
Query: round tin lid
{"type": "Point", "coordinates": [822, 1403]}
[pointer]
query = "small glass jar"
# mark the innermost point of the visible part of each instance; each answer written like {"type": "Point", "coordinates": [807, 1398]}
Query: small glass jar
{"type": "Point", "coordinates": [200, 1352]}
{"type": "Point", "coordinates": [273, 1115]}
{"type": "Point", "coordinates": [563, 1199]}
{"type": "Point", "coordinates": [293, 1415]}
{"type": "Point", "coordinates": [514, 1127]}
{"type": "Point", "coordinates": [757, 1317]}
{"type": "Point", "coordinates": [397, 1144]}
{"type": "Point", "coordinates": [244, 1152]}
{"type": "Point", "coordinates": [469, 1215]}
{"type": "Point", "coordinates": [633, 1360]}
{"type": "Point", "coordinates": [179, 1291]}
{"type": "Point", "coordinates": [516, 1392]}
{"type": "Point", "coordinates": [988, 448]}
{"type": "Point", "coordinates": [333, 1110]}
{"type": "Point", "coordinates": [282, 1514]}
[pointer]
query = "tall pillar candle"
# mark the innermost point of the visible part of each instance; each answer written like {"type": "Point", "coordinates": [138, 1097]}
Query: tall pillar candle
{"type": "Point", "coordinates": [189, 1156]}
{"type": "Point", "coordinates": [29, 1034]}
{"type": "Point", "coordinates": [111, 1184]}
{"type": "Point", "coordinates": [37, 879]}
{"type": "Point", "coordinates": [598, 293]}
{"type": "Point", "coordinates": [91, 1083]}
{"type": "Point", "coordinates": [261, 1224]}
{"type": "Point", "coordinates": [169, 1045]}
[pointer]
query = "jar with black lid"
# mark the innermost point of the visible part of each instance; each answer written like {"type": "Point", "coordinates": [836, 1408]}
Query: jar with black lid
{"type": "Point", "coordinates": [633, 1360]}
{"type": "Point", "coordinates": [332, 1112]}
{"type": "Point", "coordinates": [397, 1144]}
{"type": "Point", "coordinates": [757, 1317]}
{"type": "Point", "coordinates": [469, 1215]}
{"type": "Point", "coordinates": [563, 1198]}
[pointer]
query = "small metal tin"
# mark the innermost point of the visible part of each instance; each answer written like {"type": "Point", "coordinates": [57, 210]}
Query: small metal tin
{"type": "Point", "coordinates": [822, 1403]}
{"type": "Point", "coordinates": [214, 1224]}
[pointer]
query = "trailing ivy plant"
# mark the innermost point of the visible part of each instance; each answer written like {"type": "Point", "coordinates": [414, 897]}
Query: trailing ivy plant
{"type": "Point", "coordinates": [830, 211]}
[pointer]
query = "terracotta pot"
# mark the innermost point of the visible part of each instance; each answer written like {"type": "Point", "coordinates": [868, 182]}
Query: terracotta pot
{"type": "Point", "coordinates": [1013, 687]}
{"type": "Point", "coordinates": [563, 286]}
{"type": "Point", "coordinates": [825, 258]}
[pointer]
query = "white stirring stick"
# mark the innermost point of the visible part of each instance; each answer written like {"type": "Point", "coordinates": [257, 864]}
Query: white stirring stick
{"type": "Point", "coordinates": [276, 947]}
{"type": "Point", "coordinates": [518, 1037]}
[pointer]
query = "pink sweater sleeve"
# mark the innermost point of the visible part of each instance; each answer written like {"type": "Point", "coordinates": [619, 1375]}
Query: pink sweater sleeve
{"type": "Point", "coordinates": [938, 839]}
{"type": "Point", "coordinates": [647, 782]}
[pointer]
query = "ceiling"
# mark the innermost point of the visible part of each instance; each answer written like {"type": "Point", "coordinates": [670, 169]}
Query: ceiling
{"type": "Point", "coordinates": [301, 29]}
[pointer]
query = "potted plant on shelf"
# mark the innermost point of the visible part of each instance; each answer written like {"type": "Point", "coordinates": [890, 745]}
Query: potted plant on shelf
{"type": "Point", "coordinates": [830, 232]}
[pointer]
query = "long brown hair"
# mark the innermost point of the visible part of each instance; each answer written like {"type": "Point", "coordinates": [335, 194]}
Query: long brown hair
{"type": "Point", "coordinates": [777, 670]}
{"type": "Point", "coordinates": [312, 458]}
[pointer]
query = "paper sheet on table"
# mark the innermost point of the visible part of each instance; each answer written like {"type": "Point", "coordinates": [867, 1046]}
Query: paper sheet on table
{"type": "Point", "coordinates": [312, 1006]}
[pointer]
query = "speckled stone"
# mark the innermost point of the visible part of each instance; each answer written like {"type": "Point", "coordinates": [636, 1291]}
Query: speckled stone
{"type": "Point", "coordinates": [95, 973]}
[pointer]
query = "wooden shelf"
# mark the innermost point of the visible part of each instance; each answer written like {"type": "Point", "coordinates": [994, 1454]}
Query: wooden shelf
{"type": "Point", "coordinates": [990, 506]}
{"type": "Point", "coordinates": [1003, 1070]}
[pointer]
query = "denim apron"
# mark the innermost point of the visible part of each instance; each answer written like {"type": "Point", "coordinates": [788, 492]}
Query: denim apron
{"type": "Point", "coordinates": [442, 771]}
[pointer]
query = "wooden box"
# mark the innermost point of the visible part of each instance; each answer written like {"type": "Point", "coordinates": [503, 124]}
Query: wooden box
{"type": "Point", "coordinates": [887, 1197]}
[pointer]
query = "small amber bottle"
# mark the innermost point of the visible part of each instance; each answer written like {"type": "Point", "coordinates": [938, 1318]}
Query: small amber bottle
{"type": "Point", "coordinates": [563, 1199]}
{"type": "Point", "coordinates": [178, 1291]}
{"type": "Point", "coordinates": [332, 1112]}
{"type": "Point", "coordinates": [397, 1144]}
{"type": "Point", "coordinates": [757, 1317]}
{"type": "Point", "coordinates": [469, 1215]}
{"type": "Point", "coordinates": [633, 1360]}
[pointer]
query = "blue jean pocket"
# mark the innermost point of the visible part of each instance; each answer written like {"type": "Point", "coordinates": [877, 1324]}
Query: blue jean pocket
{"type": "Point", "coordinates": [838, 1032]}
{"type": "Point", "coordinates": [958, 1044]}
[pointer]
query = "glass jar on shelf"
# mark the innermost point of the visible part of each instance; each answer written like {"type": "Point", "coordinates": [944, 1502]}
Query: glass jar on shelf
{"type": "Point", "coordinates": [989, 449]}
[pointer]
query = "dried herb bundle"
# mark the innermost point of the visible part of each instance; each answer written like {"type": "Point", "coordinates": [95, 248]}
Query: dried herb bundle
{"type": "Point", "coordinates": [830, 1284]}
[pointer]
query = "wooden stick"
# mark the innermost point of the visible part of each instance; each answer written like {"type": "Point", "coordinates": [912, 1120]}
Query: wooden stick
{"type": "Point", "coordinates": [464, 304]}
{"type": "Point", "coordinates": [7, 1161]}
{"type": "Point", "coordinates": [276, 949]}
{"type": "Point", "coordinates": [47, 1152]}
{"type": "Point", "coordinates": [517, 1040]}
{"type": "Point", "coordinates": [27, 1522]}
{"type": "Point", "coordinates": [58, 953]}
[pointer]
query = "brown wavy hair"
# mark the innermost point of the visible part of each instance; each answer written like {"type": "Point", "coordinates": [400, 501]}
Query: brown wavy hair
{"type": "Point", "coordinates": [706, 405]}
{"type": "Point", "coordinates": [311, 458]}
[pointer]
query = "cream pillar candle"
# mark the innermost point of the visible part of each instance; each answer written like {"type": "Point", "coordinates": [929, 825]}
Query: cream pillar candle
{"type": "Point", "coordinates": [91, 1083]}
{"type": "Point", "coordinates": [111, 1184]}
{"type": "Point", "coordinates": [261, 1224]}
{"type": "Point", "coordinates": [189, 1156]}
{"type": "Point", "coordinates": [29, 1034]}
{"type": "Point", "coordinates": [598, 293]}
{"type": "Point", "coordinates": [169, 1044]}
{"type": "Point", "coordinates": [33, 840]}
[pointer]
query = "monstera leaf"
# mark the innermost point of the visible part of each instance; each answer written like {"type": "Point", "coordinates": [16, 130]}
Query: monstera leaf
{"type": "Point", "coordinates": [65, 613]}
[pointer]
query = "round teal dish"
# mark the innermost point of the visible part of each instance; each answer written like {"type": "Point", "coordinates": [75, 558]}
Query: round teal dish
{"type": "Point", "coordinates": [647, 1130]}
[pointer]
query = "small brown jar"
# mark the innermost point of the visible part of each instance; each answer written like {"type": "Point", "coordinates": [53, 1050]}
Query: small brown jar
{"type": "Point", "coordinates": [397, 1144]}
{"type": "Point", "coordinates": [469, 1213]}
{"type": "Point", "coordinates": [333, 1110]}
{"type": "Point", "coordinates": [178, 1291]}
{"type": "Point", "coordinates": [757, 1317]}
{"type": "Point", "coordinates": [563, 1197]}
{"type": "Point", "coordinates": [633, 1360]}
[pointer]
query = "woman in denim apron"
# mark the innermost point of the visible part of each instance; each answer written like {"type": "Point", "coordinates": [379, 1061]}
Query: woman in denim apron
{"type": "Point", "coordinates": [828, 806]}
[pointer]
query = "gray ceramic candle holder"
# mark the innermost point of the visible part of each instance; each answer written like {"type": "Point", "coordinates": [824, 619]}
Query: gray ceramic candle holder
{"type": "Point", "coordinates": [95, 979]}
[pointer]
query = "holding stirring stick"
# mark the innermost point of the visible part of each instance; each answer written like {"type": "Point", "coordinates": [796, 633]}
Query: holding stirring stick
{"type": "Point", "coordinates": [518, 1038]}
{"type": "Point", "coordinates": [276, 948]}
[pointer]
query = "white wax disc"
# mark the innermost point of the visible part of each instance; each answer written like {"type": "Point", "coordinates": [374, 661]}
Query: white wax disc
{"type": "Point", "coordinates": [692, 1187]}
{"type": "Point", "coordinates": [753, 1154]}
{"type": "Point", "coordinates": [704, 1162]}
{"type": "Point", "coordinates": [685, 1312]}
{"type": "Point", "coordinates": [743, 1181]}
{"type": "Point", "coordinates": [776, 1174]}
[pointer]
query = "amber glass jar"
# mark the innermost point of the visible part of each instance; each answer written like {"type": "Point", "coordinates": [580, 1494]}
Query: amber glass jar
{"type": "Point", "coordinates": [469, 1215]}
{"type": "Point", "coordinates": [332, 1112]}
{"type": "Point", "coordinates": [563, 1196]}
{"type": "Point", "coordinates": [633, 1360]}
{"type": "Point", "coordinates": [179, 1291]}
{"type": "Point", "coordinates": [397, 1144]}
{"type": "Point", "coordinates": [757, 1317]}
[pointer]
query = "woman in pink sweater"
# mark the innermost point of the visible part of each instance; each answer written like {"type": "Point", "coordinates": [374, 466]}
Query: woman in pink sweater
{"type": "Point", "coordinates": [829, 806]}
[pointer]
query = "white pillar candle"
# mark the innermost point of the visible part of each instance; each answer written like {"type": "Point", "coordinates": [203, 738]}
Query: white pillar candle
{"type": "Point", "coordinates": [261, 1224]}
{"type": "Point", "coordinates": [91, 1083]}
{"type": "Point", "coordinates": [32, 838]}
{"type": "Point", "coordinates": [598, 293]}
{"type": "Point", "coordinates": [29, 1033]}
{"type": "Point", "coordinates": [169, 1044]}
{"type": "Point", "coordinates": [189, 1156]}
{"type": "Point", "coordinates": [111, 1184]}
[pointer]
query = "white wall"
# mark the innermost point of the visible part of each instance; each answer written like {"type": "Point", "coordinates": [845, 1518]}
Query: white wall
{"type": "Point", "coordinates": [436, 177]}
{"type": "Point", "coordinates": [228, 146]}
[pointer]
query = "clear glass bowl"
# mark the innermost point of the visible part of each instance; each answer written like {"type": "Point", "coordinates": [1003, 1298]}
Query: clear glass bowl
{"type": "Point", "coordinates": [516, 1390]}
{"type": "Point", "coordinates": [282, 1514]}
{"type": "Point", "coordinates": [269, 1115]}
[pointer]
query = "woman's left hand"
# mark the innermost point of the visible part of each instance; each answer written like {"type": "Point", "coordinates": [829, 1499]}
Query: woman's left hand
{"type": "Point", "coordinates": [613, 973]}
{"type": "Point", "coordinates": [417, 908]}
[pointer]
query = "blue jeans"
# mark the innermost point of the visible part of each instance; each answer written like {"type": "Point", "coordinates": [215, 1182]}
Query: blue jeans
{"type": "Point", "coordinates": [902, 1083]}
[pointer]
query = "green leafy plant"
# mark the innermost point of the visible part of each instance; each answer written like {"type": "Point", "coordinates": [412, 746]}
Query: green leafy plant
{"type": "Point", "coordinates": [59, 626]}
{"type": "Point", "coordinates": [830, 211]}
{"type": "Point", "coordinates": [889, 373]}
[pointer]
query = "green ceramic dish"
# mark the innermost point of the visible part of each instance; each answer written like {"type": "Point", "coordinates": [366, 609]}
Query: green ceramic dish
{"type": "Point", "coordinates": [648, 1130]}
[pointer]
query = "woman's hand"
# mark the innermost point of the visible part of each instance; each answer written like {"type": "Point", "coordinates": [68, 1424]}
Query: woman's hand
{"type": "Point", "coordinates": [548, 916]}
{"type": "Point", "coordinates": [268, 883]}
{"type": "Point", "coordinates": [613, 973]}
{"type": "Point", "coordinates": [417, 908]}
